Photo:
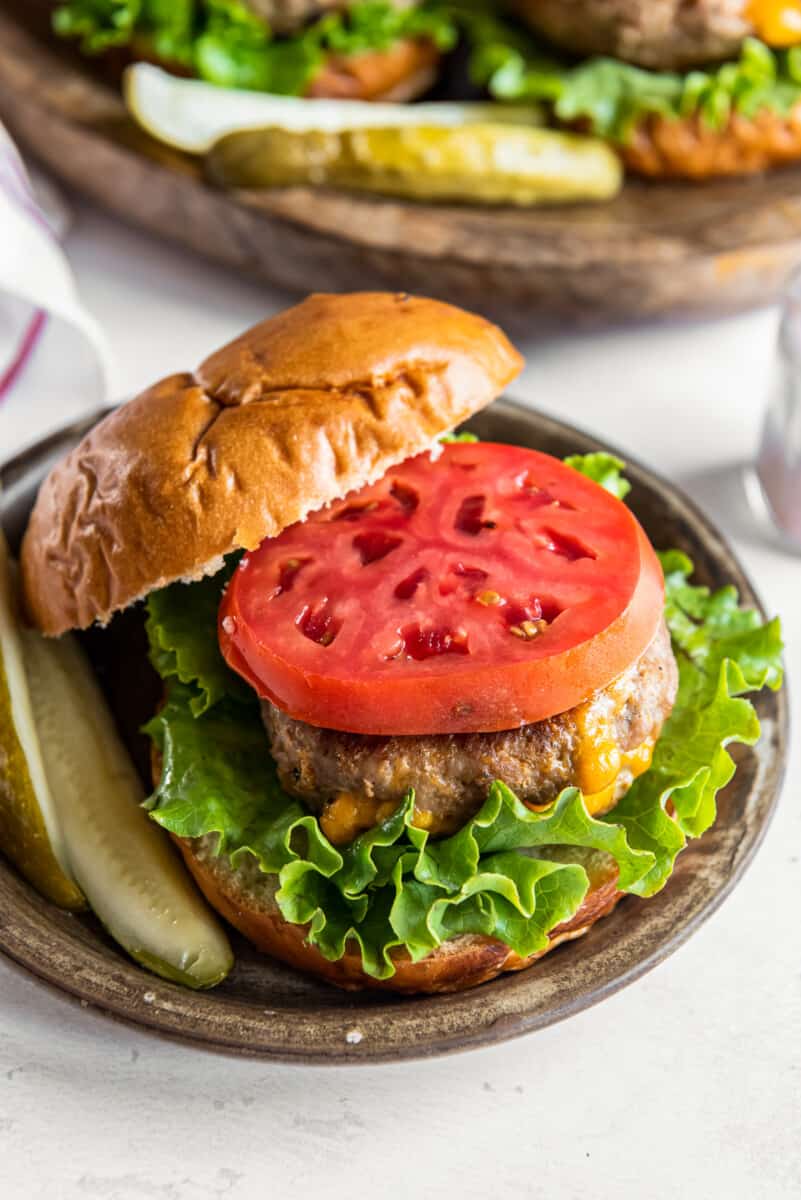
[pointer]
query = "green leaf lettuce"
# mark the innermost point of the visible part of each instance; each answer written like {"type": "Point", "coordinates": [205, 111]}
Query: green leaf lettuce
{"type": "Point", "coordinates": [182, 632]}
{"type": "Point", "coordinates": [226, 43]}
{"type": "Point", "coordinates": [608, 97]}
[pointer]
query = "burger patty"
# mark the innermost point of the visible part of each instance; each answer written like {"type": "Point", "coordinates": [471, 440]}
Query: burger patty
{"type": "Point", "coordinates": [662, 34]}
{"type": "Point", "coordinates": [352, 780]}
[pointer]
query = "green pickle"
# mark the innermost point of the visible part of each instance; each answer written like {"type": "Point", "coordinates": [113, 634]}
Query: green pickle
{"type": "Point", "coordinates": [71, 816]}
{"type": "Point", "coordinates": [483, 163]}
{"type": "Point", "coordinates": [29, 831]}
{"type": "Point", "coordinates": [24, 836]}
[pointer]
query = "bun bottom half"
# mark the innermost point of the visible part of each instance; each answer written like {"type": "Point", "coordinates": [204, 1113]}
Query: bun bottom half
{"type": "Point", "coordinates": [247, 901]}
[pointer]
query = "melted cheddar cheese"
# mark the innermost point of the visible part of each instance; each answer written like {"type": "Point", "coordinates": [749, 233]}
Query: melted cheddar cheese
{"type": "Point", "coordinates": [348, 815]}
{"type": "Point", "coordinates": [632, 764]}
{"type": "Point", "coordinates": [777, 22]}
{"type": "Point", "coordinates": [603, 770]}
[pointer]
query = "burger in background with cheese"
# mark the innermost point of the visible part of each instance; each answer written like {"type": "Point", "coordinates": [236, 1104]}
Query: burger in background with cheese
{"type": "Point", "coordinates": [431, 706]}
{"type": "Point", "coordinates": [698, 90]}
{"type": "Point", "coordinates": [683, 90]}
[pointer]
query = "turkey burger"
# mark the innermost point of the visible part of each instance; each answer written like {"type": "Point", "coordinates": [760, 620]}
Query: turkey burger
{"type": "Point", "coordinates": [416, 727]}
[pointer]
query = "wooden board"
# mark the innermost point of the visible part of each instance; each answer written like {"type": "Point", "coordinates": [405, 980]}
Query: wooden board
{"type": "Point", "coordinates": [657, 249]}
{"type": "Point", "coordinates": [267, 1010]}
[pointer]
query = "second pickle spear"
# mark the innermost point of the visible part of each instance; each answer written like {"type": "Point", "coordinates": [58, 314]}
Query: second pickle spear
{"type": "Point", "coordinates": [484, 163]}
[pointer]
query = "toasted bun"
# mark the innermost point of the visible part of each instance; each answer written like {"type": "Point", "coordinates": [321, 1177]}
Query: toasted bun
{"type": "Point", "coordinates": [401, 72]}
{"type": "Point", "coordinates": [300, 410]}
{"type": "Point", "coordinates": [247, 901]}
{"type": "Point", "coordinates": [686, 148]}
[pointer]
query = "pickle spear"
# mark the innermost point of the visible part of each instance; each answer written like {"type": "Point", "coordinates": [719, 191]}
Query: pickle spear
{"type": "Point", "coordinates": [191, 115]}
{"type": "Point", "coordinates": [71, 816]}
{"type": "Point", "coordinates": [30, 833]}
{"type": "Point", "coordinates": [134, 882]}
{"type": "Point", "coordinates": [482, 163]}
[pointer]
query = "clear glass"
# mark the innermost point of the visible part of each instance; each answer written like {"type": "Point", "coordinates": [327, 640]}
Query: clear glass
{"type": "Point", "coordinates": [776, 479]}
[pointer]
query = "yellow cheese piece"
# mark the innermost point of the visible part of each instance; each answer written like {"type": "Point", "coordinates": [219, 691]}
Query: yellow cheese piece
{"type": "Point", "coordinates": [777, 22]}
{"type": "Point", "coordinates": [603, 770]}
{"type": "Point", "coordinates": [348, 815]}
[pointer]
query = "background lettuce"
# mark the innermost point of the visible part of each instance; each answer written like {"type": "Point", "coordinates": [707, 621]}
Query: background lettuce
{"type": "Point", "coordinates": [224, 42]}
{"type": "Point", "coordinates": [509, 873]}
{"type": "Point", "coordinates": [607, 97]}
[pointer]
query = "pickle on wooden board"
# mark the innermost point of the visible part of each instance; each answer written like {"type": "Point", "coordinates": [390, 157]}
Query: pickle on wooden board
{"type": "Point", "coordinates": [484, 163]}
{"type": "Point", "coordinates": [190, 115]}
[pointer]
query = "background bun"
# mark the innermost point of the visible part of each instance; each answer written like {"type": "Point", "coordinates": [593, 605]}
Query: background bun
{"type": "Point", "coordinates": [246, 898]}
{"type": "Point", "coordinates": [300, 410]}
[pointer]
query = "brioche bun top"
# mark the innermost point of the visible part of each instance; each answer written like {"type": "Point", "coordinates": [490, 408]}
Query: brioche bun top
{"type": "Point", "coordinates": [301, 409]}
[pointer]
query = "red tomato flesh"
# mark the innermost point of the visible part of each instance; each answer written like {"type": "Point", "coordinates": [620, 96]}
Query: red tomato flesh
{"type": "Point", "coordinates": [488, 589]}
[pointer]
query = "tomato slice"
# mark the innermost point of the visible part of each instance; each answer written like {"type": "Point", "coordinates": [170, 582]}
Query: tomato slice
{"type": "Point", "coordinates": [490, 588]}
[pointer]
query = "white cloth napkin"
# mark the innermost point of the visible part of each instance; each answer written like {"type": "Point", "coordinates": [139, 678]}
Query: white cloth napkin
{"type": "Point", "coordinates": [36, 282]}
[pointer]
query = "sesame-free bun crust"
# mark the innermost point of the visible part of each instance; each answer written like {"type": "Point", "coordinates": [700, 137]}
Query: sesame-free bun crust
{"type": "Point", "coordinates": [460, 963]}
{"type": "Point", "coordinates": [298, 411]}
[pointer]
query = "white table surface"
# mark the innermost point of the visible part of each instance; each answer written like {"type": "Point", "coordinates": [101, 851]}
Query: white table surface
{"type": "Point", "coordinates": [687, 1084]}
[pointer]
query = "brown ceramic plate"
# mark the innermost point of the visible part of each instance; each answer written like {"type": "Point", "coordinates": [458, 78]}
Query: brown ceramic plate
{"type": "Point", "coordinates": [267, 1010]}
{"type": "Point", "coordinates": [655, 249]}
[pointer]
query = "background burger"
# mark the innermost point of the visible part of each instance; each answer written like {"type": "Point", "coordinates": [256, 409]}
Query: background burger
{"type": "Point", "coordinates": [364, 49]}
{"type": "Point", "coordinates": [681, 90]}
{"type": "Point", "coordinates": [684, 90]}
{"type": "Point", "coordinates": [428, 709]}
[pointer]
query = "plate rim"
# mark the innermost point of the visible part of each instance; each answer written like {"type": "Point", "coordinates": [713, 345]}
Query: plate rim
{"type": "Point", "coordinates": [162, 1013]}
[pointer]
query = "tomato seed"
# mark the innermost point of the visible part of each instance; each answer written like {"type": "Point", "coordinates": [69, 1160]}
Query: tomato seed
{"type": "Point", "coordinates": [528, 630]}
{"type": "Point", "coordinates": [489, 599]}
{"type": "Point", "coordinates": [516, 613]}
